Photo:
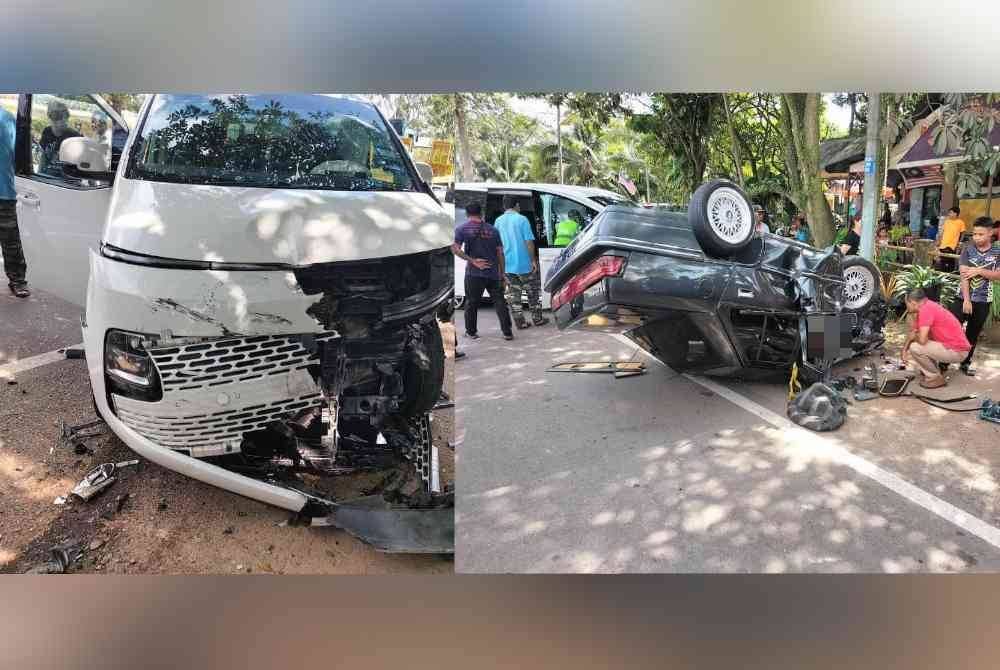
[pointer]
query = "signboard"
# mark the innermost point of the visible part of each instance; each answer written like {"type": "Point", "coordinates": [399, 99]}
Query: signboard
{"type": "Point", "coordinates": [422, 155]}
{"type": "Point", "coordinates": [441, 153]}
{"type": "Point", "coordinates": [869, 166]}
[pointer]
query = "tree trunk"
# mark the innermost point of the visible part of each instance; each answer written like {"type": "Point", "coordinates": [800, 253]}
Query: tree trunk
{"type": "Point", "coordinates": [738, 164]}
{"type": "Point", "coordinates": [464, 151]}
{"type": "Point", "coordinates": [559, 139]}
{"type": "Point", "coordinates": [853, 100]}
{"type": "Point", "coordinates": [800, 121]}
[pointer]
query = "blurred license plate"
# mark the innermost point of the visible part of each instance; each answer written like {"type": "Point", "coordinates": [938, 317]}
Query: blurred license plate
{"type": "Point", "coordinates": [828, 337]}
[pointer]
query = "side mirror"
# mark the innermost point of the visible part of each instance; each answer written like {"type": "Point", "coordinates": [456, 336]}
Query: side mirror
{"type": "Point", "coordinates": [425, 172]}
{"type": "Point", "coordinates": [87, 156]}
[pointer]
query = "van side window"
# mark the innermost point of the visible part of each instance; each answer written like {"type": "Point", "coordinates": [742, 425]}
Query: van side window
{"type": "Point", "coordinates": [56, 118]}
{"type": "Point", "coordinates": [558, 208]}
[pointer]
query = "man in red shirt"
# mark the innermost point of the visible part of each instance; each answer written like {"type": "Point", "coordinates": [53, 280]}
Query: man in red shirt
{"type": "Point", "coordinates": [936, 337]}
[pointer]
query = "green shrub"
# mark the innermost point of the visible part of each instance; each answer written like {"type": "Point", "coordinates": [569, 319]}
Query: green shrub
{"type": "Point", "coordinates": [927, 278]}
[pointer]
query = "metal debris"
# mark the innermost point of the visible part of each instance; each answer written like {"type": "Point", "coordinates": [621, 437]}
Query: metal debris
{"type": "Point", "coordinates": [62, 559]}
{"type": "Point", "coordinates": [618, 368]}
{"type": "Point", "coordinates": [99, 479]}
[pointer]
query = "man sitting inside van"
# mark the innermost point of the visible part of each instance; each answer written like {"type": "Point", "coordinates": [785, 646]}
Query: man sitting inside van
{"type": "Point", "coordinates": [568, 228]}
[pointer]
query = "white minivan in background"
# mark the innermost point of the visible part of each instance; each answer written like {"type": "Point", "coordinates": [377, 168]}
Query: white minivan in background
{"type": "Point", "coordinates": [545, 205]}
{"type": "Point", "coordinates": [259, 272]}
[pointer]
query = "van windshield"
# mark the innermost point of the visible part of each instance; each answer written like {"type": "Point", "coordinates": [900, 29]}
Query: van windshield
{"type": "Point", "coordinates": [273, 141]}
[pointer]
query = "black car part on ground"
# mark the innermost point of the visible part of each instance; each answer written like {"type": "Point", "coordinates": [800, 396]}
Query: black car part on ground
{"type": "Point", "coordinates": [819, 407]}
{"type": "Point", "coordinates": [698, 311]}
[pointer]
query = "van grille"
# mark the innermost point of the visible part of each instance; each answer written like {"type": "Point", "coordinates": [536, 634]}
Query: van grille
{"type": "Point", "coordinates": [231, 360]}
{"type": "Point", "coordinates": [217, 429]}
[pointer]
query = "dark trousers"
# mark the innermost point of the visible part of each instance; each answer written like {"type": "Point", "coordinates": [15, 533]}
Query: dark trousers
{"type": "Point", "coordinates": [973, 324]}
{"type": "Point", "coordinates": [10, 244]}
{"type": "Point", "coordinates": [474, 287]}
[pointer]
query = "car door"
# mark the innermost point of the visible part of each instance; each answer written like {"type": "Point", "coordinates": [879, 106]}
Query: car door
{"type": "Point", "coordinates": [61, 216]}
{"type": "Point", "coordinates": [555, 208]}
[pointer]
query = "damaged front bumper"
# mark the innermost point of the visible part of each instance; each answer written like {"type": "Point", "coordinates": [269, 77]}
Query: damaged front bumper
{"type": "Point", "coordinates": [235, 352]}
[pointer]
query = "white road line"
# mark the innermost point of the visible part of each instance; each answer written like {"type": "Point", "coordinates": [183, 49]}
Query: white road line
{"type": "Point", "coordinates": [833, 450]}
{"type": "Point", "coordinates": [9, 370]}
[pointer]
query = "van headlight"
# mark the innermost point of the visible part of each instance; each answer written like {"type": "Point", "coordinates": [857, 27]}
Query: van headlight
{"type": "Point", "coordinates": [129, 368]}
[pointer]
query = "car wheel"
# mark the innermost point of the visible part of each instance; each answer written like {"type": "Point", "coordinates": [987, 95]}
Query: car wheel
{"type": "Point", "coordinates": [861, 284]}
{"type": "Point", "coordinates": [721, 217]}
{"type": "Point", "coordinates": [458, 301]}
{"type": "Point", "coordinates": [423, 383]}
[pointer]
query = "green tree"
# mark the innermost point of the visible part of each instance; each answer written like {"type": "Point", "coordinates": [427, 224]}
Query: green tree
{"type": "Point", "coordinates": [683, 124]}
{"type": "Point", "coordinates": [456, 112]}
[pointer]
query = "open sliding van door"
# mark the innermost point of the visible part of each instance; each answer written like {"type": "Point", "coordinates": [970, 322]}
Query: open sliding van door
{"type": "Point", "coordinates": [60, 214]}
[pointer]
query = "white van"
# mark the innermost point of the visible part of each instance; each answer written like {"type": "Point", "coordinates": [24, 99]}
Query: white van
{"type": "Point", "coordinates": [545, 205]}
{"type": "Point", "coordinates": [258, 273]}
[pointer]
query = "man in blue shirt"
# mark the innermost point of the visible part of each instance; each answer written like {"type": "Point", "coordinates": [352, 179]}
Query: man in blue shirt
{"type": "Point", "coordinates": [521, 263]}
{"type": "Point", "coordinates": [10, 238]}
{"type": "Point", "coordinates": [478, 244]}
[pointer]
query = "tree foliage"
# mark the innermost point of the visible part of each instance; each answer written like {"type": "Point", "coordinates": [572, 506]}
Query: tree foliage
{"type": "Point", "coordinates": [683, 125]}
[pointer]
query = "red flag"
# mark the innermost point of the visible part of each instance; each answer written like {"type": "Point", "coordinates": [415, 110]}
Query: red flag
{"type": "Point", "coordinates": [627, 184]}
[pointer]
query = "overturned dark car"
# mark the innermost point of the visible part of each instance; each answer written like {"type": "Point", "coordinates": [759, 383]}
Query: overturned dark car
{"type": "Point", "coordinates": [703, 292]}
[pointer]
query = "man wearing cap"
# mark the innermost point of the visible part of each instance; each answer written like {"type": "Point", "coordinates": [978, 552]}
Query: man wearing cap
{"type": "Point", "coordinates": [53, 136]}
{"type": "Point", "coordinates": [761, 224]}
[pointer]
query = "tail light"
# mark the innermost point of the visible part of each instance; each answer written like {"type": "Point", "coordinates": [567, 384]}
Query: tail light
{"type": "Point", "coordinates": [604, 266]}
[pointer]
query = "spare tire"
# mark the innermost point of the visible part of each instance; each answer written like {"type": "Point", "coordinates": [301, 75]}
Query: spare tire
{"type": "Point", "coordinates": [721, 217]}
{"type": "Point", "coordinates": [861, 284]}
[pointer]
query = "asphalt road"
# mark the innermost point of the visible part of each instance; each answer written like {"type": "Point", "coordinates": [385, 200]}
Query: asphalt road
{"type": "Point", "coordinates": [576, 472]}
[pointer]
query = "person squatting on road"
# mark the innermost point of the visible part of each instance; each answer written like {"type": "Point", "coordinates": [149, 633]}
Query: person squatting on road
{"type": "Point", "coordinates": [10, 238]}
{"type": "Point", "coordinates": [979, 267]}
{"type": "Point", "coordinates": [935, 338]}
{"type": "Point", "coordinates": [521, 263]}
{"type": "Point", "coordinates": [484, 269]}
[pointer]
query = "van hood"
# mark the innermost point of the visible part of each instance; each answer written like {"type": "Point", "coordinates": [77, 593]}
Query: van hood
{"type": "Point", "coordinates": [257, 225]}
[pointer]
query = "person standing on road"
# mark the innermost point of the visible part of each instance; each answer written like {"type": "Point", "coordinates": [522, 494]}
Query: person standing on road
{"type": "Point", "coordinates": [521, 263]}
{"type": "Point", "coordinates": [484, 269]}
{"type": "Point", "coordinates": [951, 234]}
{"type": "Point", "coordinates": [849, 247]}
{"type": "Point", "coordinates": [762, 226]}
{"type": "Point", "coordinates": [10, 237]}
{"type": "Point", "coordinates": [979, 267]}
{"type": "Point", "coordinates": [936, 338]}
{"type": "Point", "coordinates": [53, 136]}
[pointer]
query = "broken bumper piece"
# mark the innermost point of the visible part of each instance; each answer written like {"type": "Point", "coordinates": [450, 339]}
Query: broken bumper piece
{"type": "Point", "coordinates": [392, 529]}
{"type": "Point", "coordinates": [387, 528]}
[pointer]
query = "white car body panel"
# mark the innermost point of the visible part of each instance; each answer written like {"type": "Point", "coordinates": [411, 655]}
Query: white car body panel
{"type": "Point", "coordinates": [259, 225]}
{"type": "Point", "coordinates": [59, 228]}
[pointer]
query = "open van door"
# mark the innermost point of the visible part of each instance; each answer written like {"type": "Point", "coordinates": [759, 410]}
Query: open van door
{"type": "Point", "coordinates": [61, 212]}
